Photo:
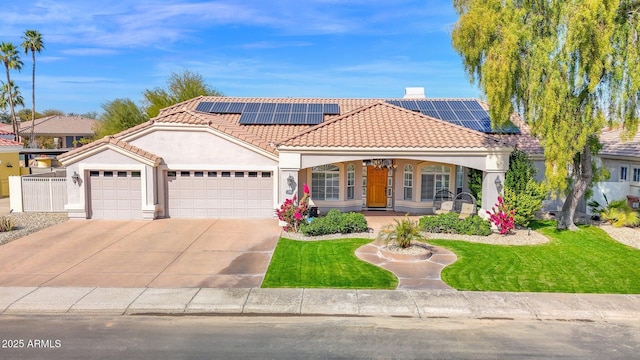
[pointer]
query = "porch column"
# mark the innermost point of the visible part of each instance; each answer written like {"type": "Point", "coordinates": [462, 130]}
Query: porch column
{"type": "Point", "coordinates": [491, 190]}
{"type": "Point", "coordinates": [288, 182]}
{"type": "Point", "coordinates": [493, 181]}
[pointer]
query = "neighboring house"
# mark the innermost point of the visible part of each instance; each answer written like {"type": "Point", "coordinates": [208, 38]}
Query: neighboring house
{"type": "Point", "coordinates": [622, 159]}
{"type": "Point", "coordinates": [63, 132]}
{"type": "Point", "coordinates": [242, 157]}
{"type": "Point", "coordinates": [9, 162]}
{"type": "Point", "coordinates": [6, 132]}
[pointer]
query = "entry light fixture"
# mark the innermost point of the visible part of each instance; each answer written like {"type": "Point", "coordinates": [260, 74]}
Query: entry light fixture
{"type": "Point", "coordinates": [76, 178]}
{"type": "Point", "coordinates": [498, 184]}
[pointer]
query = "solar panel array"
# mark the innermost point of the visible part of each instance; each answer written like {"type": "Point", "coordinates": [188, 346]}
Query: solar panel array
{"type": "Point", "coordinates": [467, 113]}
{"type": "Point", "coordinates": [265, 113]}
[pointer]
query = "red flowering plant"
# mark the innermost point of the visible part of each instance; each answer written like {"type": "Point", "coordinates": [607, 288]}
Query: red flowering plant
{"type": "Point", "coordinates": [293, 212]}
{"type": "Point", "coordinates": [502, 217]}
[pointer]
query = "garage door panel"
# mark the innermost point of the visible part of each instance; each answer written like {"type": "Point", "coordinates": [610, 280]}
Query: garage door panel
{"type": "Point", "coordinates": [115, 195]}
{"type": "Point", "coordinates": [197, 193]}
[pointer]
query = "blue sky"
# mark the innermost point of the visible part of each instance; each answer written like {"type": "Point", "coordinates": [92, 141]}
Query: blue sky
{"type": "Point", "coordinates": [99, 51]}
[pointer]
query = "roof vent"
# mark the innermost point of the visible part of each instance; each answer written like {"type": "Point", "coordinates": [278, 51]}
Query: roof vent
{"type": "Point", "coordinates": [414, 93]}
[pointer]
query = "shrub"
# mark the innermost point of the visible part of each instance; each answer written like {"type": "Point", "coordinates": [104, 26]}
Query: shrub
{"type": "Point", "coordinates": [449, 223]}
{"type": "Point", "coordinates": [521, 190]}
{"type": "Point", "coordinates": [293, 212]}
{"type": "Point", "coordinates": [474, 225]}
{"type": "Point", "coordinates": [335, 222]}
{"type": "Point", "coordinates": [6, 224]}
{"type": "Point", "coordinates": [403, 232]}
{"type": "Point", "coordinates": [441, 223]}
{"type": "Point", "coordinates": [502, 217]}
{"type": "Point", "coordinates": [619, 213]}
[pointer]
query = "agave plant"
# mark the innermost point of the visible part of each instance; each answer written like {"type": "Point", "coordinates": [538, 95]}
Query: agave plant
{"type": "Point", "coordinates": [402, 232]}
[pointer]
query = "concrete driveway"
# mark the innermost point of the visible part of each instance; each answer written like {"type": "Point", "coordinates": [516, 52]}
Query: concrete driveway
{"type": "Point", "coordinates": [163, 253]}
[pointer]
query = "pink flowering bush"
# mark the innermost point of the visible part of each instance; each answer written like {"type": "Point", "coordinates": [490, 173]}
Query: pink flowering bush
{"type": "Point", "coordinates": [293, 212]}
{"type": "Point", "coordinates": [502, 217]}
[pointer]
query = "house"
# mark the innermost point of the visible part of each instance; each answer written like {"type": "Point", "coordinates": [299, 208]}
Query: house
{"type": "Point", "coordinates": [622, 158]}
{"type": "Point", "coordinates": [9, 163]}
{"type": "Point", "coordinates": [242, 157]}
{"type": "Point", "coordinates": [59, 131]}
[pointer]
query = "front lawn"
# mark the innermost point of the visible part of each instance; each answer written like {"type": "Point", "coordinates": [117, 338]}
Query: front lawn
{"type": "Point", "coordinates": [324, 264]}
{"type": "Point", "coordinates": [585, 261]}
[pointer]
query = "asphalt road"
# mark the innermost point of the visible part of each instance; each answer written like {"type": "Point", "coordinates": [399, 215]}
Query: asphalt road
{"type": "Point", "coordinates": [164, 337]}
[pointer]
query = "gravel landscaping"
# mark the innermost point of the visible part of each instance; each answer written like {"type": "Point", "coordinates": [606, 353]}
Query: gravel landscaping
{"type": "Point", "coordinates": [27, 223]}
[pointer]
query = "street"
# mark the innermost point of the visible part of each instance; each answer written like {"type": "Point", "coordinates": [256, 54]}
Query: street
{"type": "Point", "coordinates": [171, 337]}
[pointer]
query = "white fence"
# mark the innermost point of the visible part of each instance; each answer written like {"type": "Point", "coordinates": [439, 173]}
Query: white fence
{"type": "Point", "coordinates": [38, 194]}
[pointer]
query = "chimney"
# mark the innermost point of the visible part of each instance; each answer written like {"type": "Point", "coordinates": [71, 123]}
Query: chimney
{"type": "Point", "coordinates": [414, 93]}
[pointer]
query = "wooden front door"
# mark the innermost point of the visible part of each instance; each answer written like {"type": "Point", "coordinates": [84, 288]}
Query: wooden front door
{"type": "Point", "coordinates": [376, 187]}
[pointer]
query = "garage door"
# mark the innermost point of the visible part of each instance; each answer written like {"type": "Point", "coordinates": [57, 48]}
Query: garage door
{"type": "Point", "coordinates": [115, 195]}
{"type": "Point", "coordinates": [204, 194]}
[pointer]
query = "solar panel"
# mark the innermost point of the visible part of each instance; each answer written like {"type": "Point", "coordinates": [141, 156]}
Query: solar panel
{"type": "Point", "coordinates": [440, 105]}
{"type": "Point", "coordinates": [268, 107]}
{"type": "Point", "coordinates": [331, 109]}
{"type": "Point", "coordinates": [236, 108]}
{"type": "Point", "coordinates": [204, 106]}
{"type": "Point", "coordinates": [281, 118]}
{"type": "Point", "coordinates": [264, 118]}
{"type": "Point", "coordinates": [283, 108]}
{"type": "Point", "coordinates": [248, 118]}
{"type": "Point", "coordinates": [315, 108]}
{"type": "Point", "coordinates": [473, 105]}
{"type": "Point", "coordinates": [220, 107]}
{"type": "Point", "coordinates": [298, 118]}
{"type": "Point", "coordinates": [252, 107]}
{"type": "Point", "coordinates": [299, 108]}
{"type": "Point", "coordinates": [467, 113]}
{"type": "Point", "coordinates": [314, 118]}
{"type": "Point", "coordinates": [425, 105]}
{"type": "Point", "coordinates": [409, 105]}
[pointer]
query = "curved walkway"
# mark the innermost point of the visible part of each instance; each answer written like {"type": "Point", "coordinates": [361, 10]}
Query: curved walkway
{"type": "Point", "coordinates": [412, 275]}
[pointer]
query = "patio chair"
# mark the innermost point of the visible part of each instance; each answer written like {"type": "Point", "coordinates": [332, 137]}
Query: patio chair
{"type": "Point", "coordinates": [445, 207]}
{"type": "Point", "coordinates": [467, 210]}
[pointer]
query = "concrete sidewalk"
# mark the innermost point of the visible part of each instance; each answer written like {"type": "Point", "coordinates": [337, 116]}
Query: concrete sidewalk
{"type": "Point", "coordinates": [326, 302]}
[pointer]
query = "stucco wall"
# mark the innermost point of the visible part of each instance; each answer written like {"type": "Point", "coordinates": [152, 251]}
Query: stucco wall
{"type": "Point", "coordinates": [181, 149]}
{"type": "Point", "coordinates": [6, 159]}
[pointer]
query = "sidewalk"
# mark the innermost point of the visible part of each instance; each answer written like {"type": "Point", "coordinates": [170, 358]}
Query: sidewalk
{"type": "Point", "coordinates": [324, 302]}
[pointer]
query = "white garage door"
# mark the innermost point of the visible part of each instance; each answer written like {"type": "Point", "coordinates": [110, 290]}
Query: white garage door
{"type": "Point", "coordinates": [205, 194]}
{"type": "Point", "coordinates": [115, 195]}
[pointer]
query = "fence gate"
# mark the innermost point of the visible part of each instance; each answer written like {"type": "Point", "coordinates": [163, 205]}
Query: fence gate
{"type": "Point", "coordinates": [41, 194]}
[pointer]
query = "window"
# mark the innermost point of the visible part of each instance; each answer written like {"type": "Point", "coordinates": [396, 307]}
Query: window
{"type": "Point", "coordinates": [239, 174]}
{"type": "Point", "coordinates": [636, 174]}
{"type": "Point", "coordinates": [408, 182]}
{"type": "Point", "coordinates": [135, 174]}
{"type": "Point", "coordinates": [435, 178]}
{"type": "Point", "coordinates": [212, 174]}
{"type": "Point", "coordinates": [226, 174]}
{"type": "Point", "coordinates": [351, 181]}
{"type": "Point", "coordinates": [325, 182]}
{"type": "Point", "coordinates": [185, 173]}
{"type": "Point", "coordinates": [198, 174]}
{"type": "Point", "coordinates": [623, 173]}
{"type": "Point", "coordinates": [107, 174]}
{"type": "Point", "coordinates": [171, 174]}
{"type": "Point", "coordinates": [94, 173]}
{"type": "Point", "coordinates": [266, 174]}
{"type": "Point", "coordinates": [253, 174]}
{"type": "Point", "coordinates": [122, 174]}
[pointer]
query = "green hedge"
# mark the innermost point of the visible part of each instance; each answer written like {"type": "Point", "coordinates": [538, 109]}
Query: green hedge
{"type": "Point", "coordinates": [450, 224]}
{"type": "Point", "coordinates": [335, 222]}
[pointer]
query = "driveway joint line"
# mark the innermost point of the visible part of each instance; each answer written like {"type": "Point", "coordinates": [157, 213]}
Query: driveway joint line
{"type": "Point", "coordinates": [244, 305]}
{"type": "Point", "coordinates": [186, 306]}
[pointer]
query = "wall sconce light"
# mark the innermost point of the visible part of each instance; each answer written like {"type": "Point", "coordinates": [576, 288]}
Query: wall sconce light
{"type": "Point", "coordinates": [76, 178]}
{"type": "Point", "coordinates": [498, 184]}
{"type": "Point", "coordinates": [9, 165]}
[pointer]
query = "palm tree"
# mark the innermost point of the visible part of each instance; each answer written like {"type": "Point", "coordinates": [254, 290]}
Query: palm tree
{"type": "Point", "coordinates": [32, 41]}
{"type": "Point", "coordinates": [15, 94]}
{"type": "Point", "coordinates": [11, 60]}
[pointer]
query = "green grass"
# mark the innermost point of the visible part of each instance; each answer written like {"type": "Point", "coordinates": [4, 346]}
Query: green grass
{"type": "Point", "coordinates": [584, 261]}
{"type": "Point", "coordinates": [324, 264]}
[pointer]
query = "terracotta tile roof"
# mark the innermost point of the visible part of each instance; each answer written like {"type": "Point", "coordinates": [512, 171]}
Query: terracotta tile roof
{"type": "Point", "coordinates": [60, 125]}
{"type": "Point", "coordinates": [9, 143]}
{"type": "Point", "coordinates": [113, 141]}
{"type": "Point", "coordinates": [614, 145]}
{"type": "Point", "coordinates": [382, 125]}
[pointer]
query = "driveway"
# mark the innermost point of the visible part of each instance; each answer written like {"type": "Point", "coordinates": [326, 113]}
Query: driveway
{"type": "Point", "coordinates": [167, 253]}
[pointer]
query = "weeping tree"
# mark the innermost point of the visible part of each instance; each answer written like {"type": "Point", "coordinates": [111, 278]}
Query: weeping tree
{"type": "Point", "coordinates": [568, 67]}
